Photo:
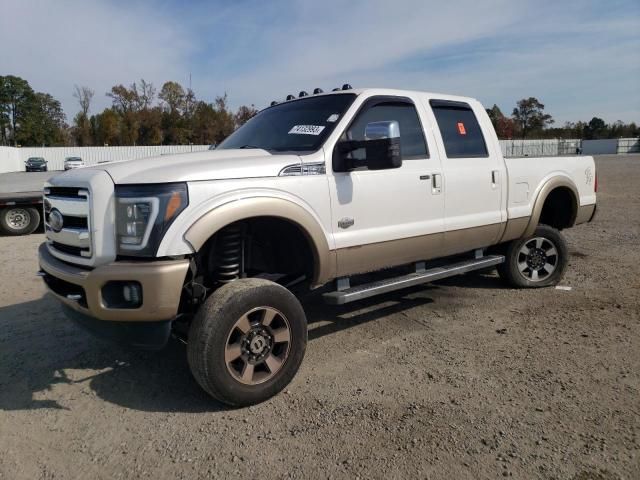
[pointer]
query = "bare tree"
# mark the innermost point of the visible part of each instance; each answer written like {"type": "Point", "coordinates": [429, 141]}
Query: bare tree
{"type": "Point", "coordinates": [146, 94]}
{"type": "Point", "coordinates": [84, 95]}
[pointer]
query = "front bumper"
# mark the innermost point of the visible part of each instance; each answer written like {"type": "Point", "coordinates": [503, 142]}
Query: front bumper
{"type": "Point", "coordinates": [80, 289]}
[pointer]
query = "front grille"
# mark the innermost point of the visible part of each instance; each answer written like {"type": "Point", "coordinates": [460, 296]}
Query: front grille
{"type": "Point", "coordinates": [66, 219]}
{"type": "Point", "coordinates": [76, 222]}
{"type": "Point", "coordinates": [67, 192]}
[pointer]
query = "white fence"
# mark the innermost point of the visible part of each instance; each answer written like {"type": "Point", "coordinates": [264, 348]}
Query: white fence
{"type": "Point", "coordinates": [557, 147]}
{"type": "Point", "coordinates": [12, 159]}
{"type": "Point", "coordinates": [629, 145]}
{"type": "Point", "coordinates": [539, 148]}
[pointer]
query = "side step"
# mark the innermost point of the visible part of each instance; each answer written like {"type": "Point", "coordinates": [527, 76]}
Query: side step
{"type": "Point", "coordinates": [359, 292]}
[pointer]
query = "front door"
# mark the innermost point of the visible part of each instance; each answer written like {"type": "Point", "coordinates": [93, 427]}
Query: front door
{"type": "Point", "coordinates": [383, 218]}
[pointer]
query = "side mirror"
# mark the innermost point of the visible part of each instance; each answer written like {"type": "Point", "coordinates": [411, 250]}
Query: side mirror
{"type": "Point", "coordinates": [381, 144]}
{"type": "Point", "coordinates": [382, 130]}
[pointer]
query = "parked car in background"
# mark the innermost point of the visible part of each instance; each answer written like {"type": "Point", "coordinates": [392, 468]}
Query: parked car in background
{"type": "Point", "coordinates": [73, 162]}
{"type": "Point", "coordinates": [36, 164]}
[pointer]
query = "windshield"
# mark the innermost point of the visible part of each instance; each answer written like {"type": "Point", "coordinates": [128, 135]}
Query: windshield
{"type": "Point", "coordinates": [36, 160]}
{"type": "Point", "coordinates": [301, 125]}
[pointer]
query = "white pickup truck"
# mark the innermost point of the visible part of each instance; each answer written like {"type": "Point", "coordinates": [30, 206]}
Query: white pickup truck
{"type": "Point", "coordinates": [216, 246]}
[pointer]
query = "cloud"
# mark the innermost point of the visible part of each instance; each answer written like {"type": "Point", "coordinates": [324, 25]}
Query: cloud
{"type": "Point", "coordinates": [580, 57]}
{"type": "Point", "coordinates": [55, 45]}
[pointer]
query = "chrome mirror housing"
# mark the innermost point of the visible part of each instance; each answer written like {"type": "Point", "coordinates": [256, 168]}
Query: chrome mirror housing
{"type": "Point", "coordinates": [382, 130]}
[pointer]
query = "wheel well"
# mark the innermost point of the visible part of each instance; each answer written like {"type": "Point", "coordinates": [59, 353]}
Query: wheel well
{"type": "Point", "coordinates": [559, 208]}
{"type": "Point", "coordinates": [260, 246]}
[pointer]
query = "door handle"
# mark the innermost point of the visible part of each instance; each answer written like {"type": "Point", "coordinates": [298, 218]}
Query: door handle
{"type": "Point", "coordinates": [495, 178]}
{"type": "Point", "coordinates": [436, 183]}
{"type": "Point", "coordinates": [425, 177]}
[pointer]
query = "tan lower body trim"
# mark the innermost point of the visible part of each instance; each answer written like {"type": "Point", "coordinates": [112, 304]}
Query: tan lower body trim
{"type": "Point", "coordinates": [460, 241]}
{"type": "Point", "coordinates": [161, 283]}
{"type": "Point", "coordinates": [515, 228]}
{"type": "Point", "coordinates": [376, 256]}
{"type": "Point", "coordinates": [585, 212]}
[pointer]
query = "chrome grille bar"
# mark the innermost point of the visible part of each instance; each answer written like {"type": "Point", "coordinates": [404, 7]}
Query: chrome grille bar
{"type": "Point", "coordinates": [67, 204]}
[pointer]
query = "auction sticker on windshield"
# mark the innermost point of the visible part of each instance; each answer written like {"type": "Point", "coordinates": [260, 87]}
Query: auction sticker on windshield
{"type": "Point", "coordinates": [306, 130]}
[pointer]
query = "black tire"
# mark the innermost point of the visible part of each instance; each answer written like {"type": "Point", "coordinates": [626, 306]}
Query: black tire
{"type": "Point", "coordinates": [19, 220]}
{"type": "Point", "coordinates": [530, 271]}
{"type": "Point", "coordinates": [214, 325]}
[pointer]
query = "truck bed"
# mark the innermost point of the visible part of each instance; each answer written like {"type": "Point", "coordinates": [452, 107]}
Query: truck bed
{"type": "Point", "coordinates": [22, 187]}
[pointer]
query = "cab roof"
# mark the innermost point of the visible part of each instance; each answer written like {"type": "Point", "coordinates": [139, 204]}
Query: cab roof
{"type": "Point", "coordinates": [389, 92]}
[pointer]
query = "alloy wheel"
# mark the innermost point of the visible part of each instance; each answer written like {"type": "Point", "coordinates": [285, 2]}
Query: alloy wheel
{"type": "Point", "coordinates": [537, 259]}
{"type": "Point", "coordinates": [258, 345]}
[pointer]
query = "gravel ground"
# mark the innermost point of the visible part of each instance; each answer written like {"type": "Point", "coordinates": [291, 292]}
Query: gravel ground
{"type": "Point", "coordinates": [462, 379]}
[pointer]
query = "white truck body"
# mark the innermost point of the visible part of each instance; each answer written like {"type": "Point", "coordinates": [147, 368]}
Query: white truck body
{"type": "Point", "coordinates": [385, 205]}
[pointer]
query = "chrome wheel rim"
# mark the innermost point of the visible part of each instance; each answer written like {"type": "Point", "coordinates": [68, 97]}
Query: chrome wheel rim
{"type": "Point", "coordinates": [258, 345]}
{"type": "Point", "coordinates": [17, 218]}
{"type": "Point", "coordinates": [537, 259]}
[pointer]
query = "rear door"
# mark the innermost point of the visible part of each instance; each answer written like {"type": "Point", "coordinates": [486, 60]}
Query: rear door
{"type": "Point", "coordinates": [472, 177]}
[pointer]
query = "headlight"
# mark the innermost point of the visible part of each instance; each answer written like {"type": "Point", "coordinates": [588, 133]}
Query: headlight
{"type": "Point", "coordinates": [144, 213]}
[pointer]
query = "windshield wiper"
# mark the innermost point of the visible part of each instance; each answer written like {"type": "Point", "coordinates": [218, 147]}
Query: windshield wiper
{"type": "Point", "coordinates": [249, 146]}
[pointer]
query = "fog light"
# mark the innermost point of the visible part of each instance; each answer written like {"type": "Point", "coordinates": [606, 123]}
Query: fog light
{"type": "Point", "coordinates": [122, 294]}
{"type": "Point", "coordinates": [131, 293]}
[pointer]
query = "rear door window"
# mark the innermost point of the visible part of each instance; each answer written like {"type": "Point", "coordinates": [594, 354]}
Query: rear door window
{"type": "Point", "coordinates": [461, 133]}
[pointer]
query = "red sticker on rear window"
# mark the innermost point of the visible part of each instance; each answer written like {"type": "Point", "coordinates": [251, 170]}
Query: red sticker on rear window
{"type": "Point", "coordinates": [461, 129]}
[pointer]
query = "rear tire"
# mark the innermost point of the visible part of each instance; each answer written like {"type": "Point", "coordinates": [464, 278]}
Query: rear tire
{"type": "Point", "coordinates": [247, 341]}
{"type": "Point", "coordinates": [19, 220]}
{"type": "Point", "coordinates": [536, 261]}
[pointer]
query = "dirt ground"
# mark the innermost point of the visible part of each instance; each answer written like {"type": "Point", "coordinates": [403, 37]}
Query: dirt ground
{"type": "Point", "coordinates": [461, 379]}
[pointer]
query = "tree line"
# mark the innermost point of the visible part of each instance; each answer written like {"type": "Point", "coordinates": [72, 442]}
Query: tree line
{"type": "Point", "coordinates": [529, 120]}
{"type": "Point", "coordinates": [140, 114]}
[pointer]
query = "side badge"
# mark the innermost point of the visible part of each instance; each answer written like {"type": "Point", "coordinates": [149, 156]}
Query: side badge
{"type": "Point", "coordinates": [345, 222]}
{"type": "Point", "coordinates": [588, 175]}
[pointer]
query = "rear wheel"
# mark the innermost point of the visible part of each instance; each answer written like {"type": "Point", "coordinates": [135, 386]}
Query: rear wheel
{"type": "Point", "coordinates": [536, 261]}
{"type": "Point", "coordinates": [247, 341]}
{"type": "Point", "coordinates": [19, 220]}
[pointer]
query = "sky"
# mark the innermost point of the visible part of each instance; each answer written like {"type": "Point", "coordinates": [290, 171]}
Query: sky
{"type": "Point", "coordinates": [580, 58]}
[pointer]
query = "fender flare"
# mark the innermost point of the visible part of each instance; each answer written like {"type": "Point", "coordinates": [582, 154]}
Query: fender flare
{"type": "Point", "coordinates": [547, 188]}
{"type": "Point", "coordinates": [324, 261]}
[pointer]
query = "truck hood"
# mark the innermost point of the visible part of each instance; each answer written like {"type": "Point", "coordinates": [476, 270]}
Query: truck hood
{"type": "Point", "coordinates": [191, 167]}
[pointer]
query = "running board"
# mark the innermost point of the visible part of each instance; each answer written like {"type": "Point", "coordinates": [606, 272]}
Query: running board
{"type": "Point", "coordinates": [359, 292]}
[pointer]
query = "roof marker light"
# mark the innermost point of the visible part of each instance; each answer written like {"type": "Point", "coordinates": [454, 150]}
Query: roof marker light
{"type": "Point", "coordinates": [302, 94]}
{"type": "Point", "coordinates": [275, 102]}
{"type": "Point", "coordinates": [337, 89]}
{"type": "Point", "coordinates": [290, 97]}
{"type": "Point", "coordinates": [346, 86]}
{"type": "Point", "coordinates": [317, 91]}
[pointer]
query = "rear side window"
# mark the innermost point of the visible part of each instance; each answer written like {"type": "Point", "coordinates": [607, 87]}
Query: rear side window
{"type": "Point", "coordinates": [412, 144]}
{"type": "Point", "coordinates": [459, 128]}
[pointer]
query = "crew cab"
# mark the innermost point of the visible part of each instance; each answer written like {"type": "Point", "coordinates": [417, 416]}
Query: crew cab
{"type": "Point", "coordinates": [217, 246]}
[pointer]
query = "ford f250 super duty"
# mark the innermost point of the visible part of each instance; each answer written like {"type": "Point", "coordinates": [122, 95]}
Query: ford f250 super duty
{"type": "Point", "coordinates": [360, 191]}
